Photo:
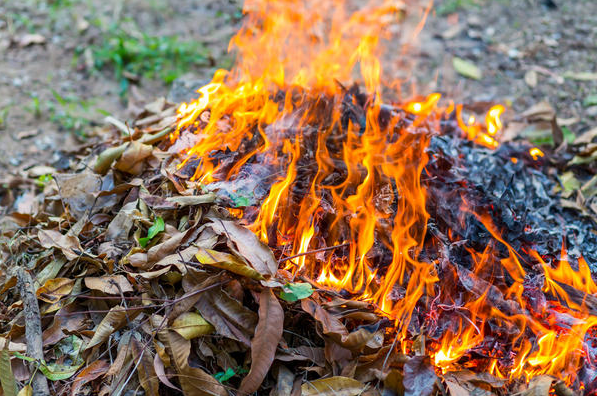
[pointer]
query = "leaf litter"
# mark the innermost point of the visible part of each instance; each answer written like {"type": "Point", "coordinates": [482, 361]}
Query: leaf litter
{"type": "Point", "coordinates": [145, 282]}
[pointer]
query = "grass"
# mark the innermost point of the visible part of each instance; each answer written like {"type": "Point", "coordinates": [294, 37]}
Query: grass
{"type": "Point", "coordinates": [137, 54]}
{"type": "Point", "coordinates": [67, 112]}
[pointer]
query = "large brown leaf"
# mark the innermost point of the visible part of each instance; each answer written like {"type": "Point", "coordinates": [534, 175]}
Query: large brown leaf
{"type": "Point", "coordinates": [68, 244]}
{"type": "Point", "coordinates": [114, 320]}
{"type": "Point", "coordinates": [265, 341]}
{"type": "Point", "coordinates": [194, 381]}
{"type": "Point", "coordinates": [109, 284]}
{"type": "Point", "coordinates": [230, 318]}
{"type": "Point", "coordinates": [249, 246]}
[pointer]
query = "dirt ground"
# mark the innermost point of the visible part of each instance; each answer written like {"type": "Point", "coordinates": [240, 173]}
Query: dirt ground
{"type": "Point", "coordinates": [54, 91]}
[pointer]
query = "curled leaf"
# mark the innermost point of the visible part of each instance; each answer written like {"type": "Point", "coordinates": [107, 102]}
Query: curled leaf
{"type": "Point", "coordinates": [226, 261]}
{"type": "Point", "coordinates": [154, 230]}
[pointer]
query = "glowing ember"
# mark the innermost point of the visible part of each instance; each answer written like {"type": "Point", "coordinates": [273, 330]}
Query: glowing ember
{"type": "Point", "coordinates": [345, 169]}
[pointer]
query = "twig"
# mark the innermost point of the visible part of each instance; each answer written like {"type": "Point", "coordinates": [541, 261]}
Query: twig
{"type": "Point", "coordinates": [33, 330]}
{"type": "Point", "coordinates": [314, 251]}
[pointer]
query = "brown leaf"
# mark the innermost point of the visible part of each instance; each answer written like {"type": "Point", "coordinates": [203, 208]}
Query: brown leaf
{"type": "Point", "coordinates": [54, 289]}
{"type": "Point", "coordinates": [68, 244]}
{"type": "Point", "coordinates": [109, 284]}
{"type": "Point", "coordinates": [284, 382]}
{"type": "Point", "coordinates": [161, 372]}
{"type": "Point", "coordinates": [145, 370]}
{"type": "Point", "coordinates": [419, 377]}
{"type": "Point", "coordinates": [330, 324]}
{"type": "Point", "coordinates": [258, 255]}
{"type": "Point", "coordinates": [121, 224]}
{"type": "Point", "coordinates": [194, 381]}
{"type": "Point", "coordinates": [230, 318]}
{"type": "Point", "coordinates": [65, 320]}
{"type": "Point", "coordinates": [88, 374]}
{"type": "Point", "coordinates": [114, 320]}
{"type": "Point", "coordinates": [227, 262]}
{"type": "Point", "coordinates": [131, 161]}
{"type": "Point", "coordinates": [333, 386]}
{"type": "Point", "coordinates": [265, 341]}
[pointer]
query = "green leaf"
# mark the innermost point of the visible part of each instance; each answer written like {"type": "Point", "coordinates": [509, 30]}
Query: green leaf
{"type": "Point", "coordinates": [466, 69]}
{"type": "Point", "coordinates": [590, 100]}
{"type": "Point", "coordinates": [292, 292]}
{"type": "Point", "coordinates": [224, 376]}
{"type": "Point", "coordinates": [57, 372]}
{"type": "Point", "coordinates": [568, 135]}
{"type": "Point", "coordinates": [154, 230]}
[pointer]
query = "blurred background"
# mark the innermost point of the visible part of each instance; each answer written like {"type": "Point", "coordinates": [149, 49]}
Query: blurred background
{"type": "Point", "coordinates": [65, 65]}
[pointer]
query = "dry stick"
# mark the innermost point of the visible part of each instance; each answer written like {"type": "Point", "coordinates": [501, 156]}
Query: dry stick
{"type": "Point", "coordinates": [314, 251]}
{"type": "Point", "coordinates": [33, 330]}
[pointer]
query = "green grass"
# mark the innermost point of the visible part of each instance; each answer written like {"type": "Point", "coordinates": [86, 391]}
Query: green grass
{"type": "Point", "coordinates": [68, 113]}
{"type": "Point", "coordinates": [143, 55]}
{"type": "Point", "coordinates": [451, 6]}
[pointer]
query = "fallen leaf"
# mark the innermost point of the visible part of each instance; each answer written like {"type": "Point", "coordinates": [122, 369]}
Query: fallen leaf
{"type": "Point", "coordinates": [531, 78]}
{"type": "Point", "coordinates": [249, 246]}
{"type": "Point", "coordinates": [109, 284]}
{"type": "Point", "coordinates": [263, 345]}
{"type": "Point", "coordinates": [230, 318]}
{"type": "Point", "coordinates": [154, 230]}
{"type": "Point", "coordinates": [30, 39]}
{"type": "Point", "coordinates": [466, 69]}
{"type": "Point", "coordinates": [68, 244]}
{"type": "Point", "coordinates": [191, 325]}
{"type": "Point", "coordinates": [114, 320]}
{"type": "Point", "coordinates": [192, 200]}
{"type": "Point", "coordinates": [89, 373]}
{"type": "Point", "coordinates": [145, 370]}
{"type": "Point", "coordinates": [161, 373]}
{"type": "Point", "coordinates": [580, 76]}
{"type": "Point", "coordinates": [539, 386]}
{"type": "Point", "coordinates": [131, 161]}
{"type": "Point", "coordinates": [333, 386]}
{"type": "Point", "coordinates": [226, 261]}
{"type": "Point", "coordinates": [7, 379]}
{"type": "Point", "coordinates": [292, 292]}
{"type": "Point", "coordinates": [54, 289]}
{"type": "Point", "coordinates": [57, 371]}
{"type": "Point", "coordinates": [27, 390]}
{"type": "Point", "coordinates": [419, 377]}
{"type": "Point", "coordinates": [194, 381]}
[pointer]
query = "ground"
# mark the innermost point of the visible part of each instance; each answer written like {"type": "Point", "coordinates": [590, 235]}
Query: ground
{"type": "Point", "coordinates": [60, 73]}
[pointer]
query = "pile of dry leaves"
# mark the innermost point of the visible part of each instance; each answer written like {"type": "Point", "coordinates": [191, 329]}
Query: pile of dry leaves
{"type": "Point", "coordinates": [121, 277]}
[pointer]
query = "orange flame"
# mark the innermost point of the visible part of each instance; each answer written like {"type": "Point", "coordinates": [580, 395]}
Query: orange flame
{"type": "Point", "coordinates": [269, 107]}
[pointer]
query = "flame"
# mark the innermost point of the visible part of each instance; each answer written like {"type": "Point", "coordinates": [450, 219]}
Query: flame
{"type": "Point", "coordinates": [536, 153]}
{"type": "Point", "coordinates": [356, 184]}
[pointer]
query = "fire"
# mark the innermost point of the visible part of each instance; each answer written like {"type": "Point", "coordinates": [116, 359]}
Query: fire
{"type": "Point", "coordinates": [355, 182]}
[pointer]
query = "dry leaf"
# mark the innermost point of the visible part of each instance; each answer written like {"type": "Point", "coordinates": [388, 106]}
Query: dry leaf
{"type": "Point", "coordinates": [114, 320]}
{"type": "Point", "coordinates": [54, 289]}
{"type": "Point", "coordinates": [96, 369]}
{"type": "Point", "coordinates": [419, 377]}
{"type": "Point", "coordinates": [68, 244]}
{"type": "Point", "coordinates": [333, 386]}
{"type": "Point", "coordinates": [228, 262]}
{"type": "Point", "coordinates": [258, 255]}
{"type": "Point", "coordinates": [263, 345]}
{"type": "Point", "coordinates": [30, 39]}
{"type": "Point", "coordinates": [145, 370]}
{"type": "Point", "coordinates": [109, 284]}
{"type": "Point", "coordinates": [191, 325]}
{"type": "Point", "coordinates": [131, 161]}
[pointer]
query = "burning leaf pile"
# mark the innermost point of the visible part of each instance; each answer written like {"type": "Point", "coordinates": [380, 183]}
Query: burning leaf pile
{"type": "Point", "coordinates": [289, 234]}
